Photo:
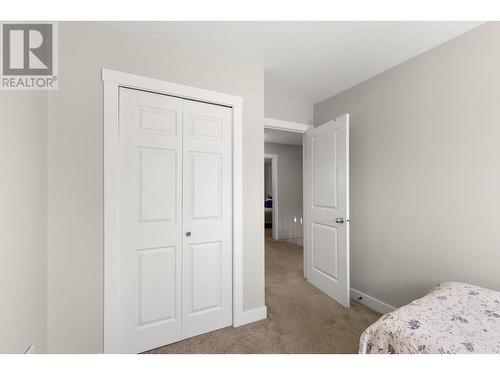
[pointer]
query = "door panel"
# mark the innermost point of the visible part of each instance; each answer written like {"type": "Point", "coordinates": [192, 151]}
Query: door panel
{"type": "Point", "coordinates": [205, 259]}
{"type": "Point", "coordinates": [207, 184]}
{"type": "Point", "coordinates": [205, 128]}
{"type": "Point", "coordinates": [157, 184]}
{"type": "Point", "coordinates": [324, 250]}
{"type": "Point", "coordinates": [324, 178]}
{"type": "Point", "coordinates": [157, 281]}
{"type": "Point", "coordinates": [207, 256]}
{"type": "Point", "coordinates": [327, 208]}
{"type": "Point", "coordinates": [158, 120]}
{"type": "Point", "coordinates": [150, 220]}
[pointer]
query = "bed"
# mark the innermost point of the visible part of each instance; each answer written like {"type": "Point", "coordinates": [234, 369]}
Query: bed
{"type": "Point", "coordinates": [453, 318]}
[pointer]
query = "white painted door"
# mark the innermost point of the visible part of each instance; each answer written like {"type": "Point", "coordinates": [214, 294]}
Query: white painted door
{"type": "Point", "coordinates": [327, 208]}
{"type": "Point", "coordinates": [171, 176]}
{"type": "Point", "coordinates": [150, 220]}
{"type": "Point", "coordinates": [207, 254]}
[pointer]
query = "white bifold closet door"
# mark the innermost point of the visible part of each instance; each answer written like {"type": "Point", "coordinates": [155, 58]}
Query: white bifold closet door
{"type": "Point", "coordinates": [175, 219]}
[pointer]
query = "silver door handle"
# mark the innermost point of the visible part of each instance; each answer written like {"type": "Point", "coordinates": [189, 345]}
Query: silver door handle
{"type": "Point", "coordinates": [339, 220]}
{"type": "Point", "coordinates": [188, 234]}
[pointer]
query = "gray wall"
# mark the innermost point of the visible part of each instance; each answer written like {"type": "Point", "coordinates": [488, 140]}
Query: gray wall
{"type": "Point", "coordinates": [288, 110]}
{"type": "Point", "coordinates": [425, 170]}
{"type": "Point", "coordinates": [289, 188]}
{"type": "Point", "coordinates": [75, 227]}
{"type": "Point", "coordinates": [23, 220]}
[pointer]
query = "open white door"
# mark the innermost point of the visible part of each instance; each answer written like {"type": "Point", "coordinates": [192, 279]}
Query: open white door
{"type": "Point", "coordinates": [326, 207]}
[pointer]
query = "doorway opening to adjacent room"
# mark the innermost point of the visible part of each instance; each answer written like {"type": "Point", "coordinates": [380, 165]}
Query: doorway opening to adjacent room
{"type": "Point", "coordinates": [306, 205]}
{"type": "Point", "coordinates": [283, 204]}
{"type": "Point", "coordinates": [271, 188]}
{"type": "Point", "coordinates": [283, 186]}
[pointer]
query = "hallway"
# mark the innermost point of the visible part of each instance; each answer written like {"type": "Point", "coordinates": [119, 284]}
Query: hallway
{"type": "Point", "coordinates": [301, 319]}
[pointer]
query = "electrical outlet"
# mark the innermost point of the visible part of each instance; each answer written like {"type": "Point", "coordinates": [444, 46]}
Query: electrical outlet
{"type": "Point", "coordinates": [30, 350]}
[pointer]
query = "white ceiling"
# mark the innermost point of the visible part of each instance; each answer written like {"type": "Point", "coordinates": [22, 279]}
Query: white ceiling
{"type": "Point", "coordinates": [309, 61]}
{"type": "Point", "coordinates": [284, 137]}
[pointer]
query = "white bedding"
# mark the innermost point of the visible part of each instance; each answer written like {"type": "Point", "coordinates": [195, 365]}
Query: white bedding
{"type": "Point", "coordinates": [452, 318]}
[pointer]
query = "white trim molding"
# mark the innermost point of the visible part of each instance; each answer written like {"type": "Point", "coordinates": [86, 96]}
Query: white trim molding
{"type": "Point", "coordinates": [253, 315]}
{"type": "Point", "coordinates": [290, 126]}
{"type": "Point", "coordinates": [371, 302]}
{"type": "Point", "coordinates": [113, 80]}
{"type": "Point", "coordinates": [275, 188]}
{"type": "Point", "coordinates": [170, 88]}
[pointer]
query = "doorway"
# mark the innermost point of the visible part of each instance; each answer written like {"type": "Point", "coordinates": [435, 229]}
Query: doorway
{"type": "Point", "coordinates": [283, 186]}
{"type": "Point", "coordinates": [271, 189]}
{"type": "Point", "coordinates": [325, 187]}
{"type": "Point", "coordinates": [283, 176]}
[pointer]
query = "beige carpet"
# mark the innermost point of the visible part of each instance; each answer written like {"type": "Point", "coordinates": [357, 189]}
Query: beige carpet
{"type": "Point", "coordinates": [301, 319]}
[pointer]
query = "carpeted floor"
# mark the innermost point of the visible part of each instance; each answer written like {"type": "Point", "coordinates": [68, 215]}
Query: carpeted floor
{"type": "Point", "coordinates": [301, 319]}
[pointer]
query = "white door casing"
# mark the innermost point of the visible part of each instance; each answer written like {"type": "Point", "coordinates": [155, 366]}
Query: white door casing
{"type": "Point", "coordinates": [326, 203]}
{"type": "Point", "coordinates": [174, 178]}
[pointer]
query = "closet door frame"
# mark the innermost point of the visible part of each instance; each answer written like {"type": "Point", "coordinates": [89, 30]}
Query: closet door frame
{"type": "Point", "coordinates": [113, 80]}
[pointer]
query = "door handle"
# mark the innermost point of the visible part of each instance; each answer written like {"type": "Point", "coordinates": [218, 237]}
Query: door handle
{"type": "Point", "coordinates": [188, 234]}
{"type": "Point", "coordinates": [339, 220]}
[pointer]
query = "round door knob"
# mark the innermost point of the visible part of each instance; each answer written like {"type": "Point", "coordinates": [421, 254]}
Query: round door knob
{"type": "Point", "coordinates": [339, 220]}
{"type": "Point", "coordinates": [188, 234]}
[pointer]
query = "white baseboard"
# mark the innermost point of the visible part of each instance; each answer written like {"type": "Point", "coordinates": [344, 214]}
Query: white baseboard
{"type": "Point", "coordinates": [250, 316]}
{"type": "Point", "coordinates": [371, 302]}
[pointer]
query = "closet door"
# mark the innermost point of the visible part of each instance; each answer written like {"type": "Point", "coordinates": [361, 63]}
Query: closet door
{"type": "Point", "coordinates": [207, 207]}
{"type": "Point", "coordinates": [150, 220]}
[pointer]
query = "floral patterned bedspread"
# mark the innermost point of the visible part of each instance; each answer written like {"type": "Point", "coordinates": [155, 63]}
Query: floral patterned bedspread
{"type": "Point", "coordinates": [453, 318]}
